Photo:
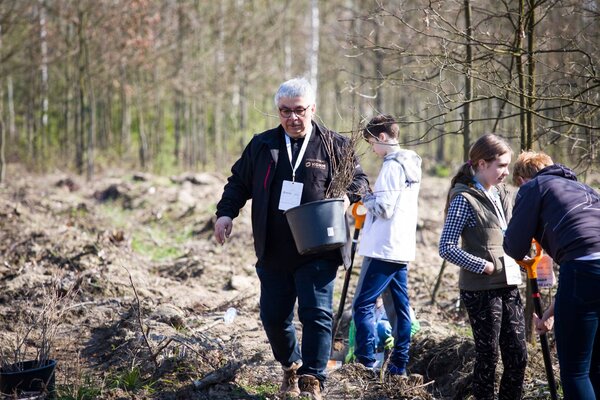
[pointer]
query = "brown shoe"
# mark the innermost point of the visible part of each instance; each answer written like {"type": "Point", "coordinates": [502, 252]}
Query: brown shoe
{"type": "Point", "coordinates": [289, 386]}
{"type": "Point", "coordinates": [310, 387]}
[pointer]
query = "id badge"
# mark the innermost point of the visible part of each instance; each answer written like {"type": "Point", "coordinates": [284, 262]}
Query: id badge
{"type": "Point", "coordinates": [291, 194]}
{"type": "Point", "coordinates": [512, 271]}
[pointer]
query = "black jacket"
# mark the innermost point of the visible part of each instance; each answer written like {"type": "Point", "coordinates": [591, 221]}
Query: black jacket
{"type": "Point", "coordinates": [252, 177]}
{"type": "Point", "coordinates": [563, 215]}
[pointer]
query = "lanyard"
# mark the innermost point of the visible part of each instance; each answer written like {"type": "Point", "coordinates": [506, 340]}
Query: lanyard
{"type": "Point", "coordinates": [288, 145]}
{"type": "Point", "coordinates": [495, 199]}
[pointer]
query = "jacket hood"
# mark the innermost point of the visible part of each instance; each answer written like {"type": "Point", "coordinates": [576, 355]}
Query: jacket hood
{"type": "Point", "coordinates": [558, 170]}
{"type": "Point", "coordinates": [410, 161]}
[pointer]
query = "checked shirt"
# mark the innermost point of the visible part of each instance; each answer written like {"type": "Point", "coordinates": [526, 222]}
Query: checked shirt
{"type": "Point", "coordinates": [460, 215]}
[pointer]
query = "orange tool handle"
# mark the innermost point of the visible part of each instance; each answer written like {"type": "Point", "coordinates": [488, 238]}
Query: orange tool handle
{"type": "Point", "coordinates": [359, 212]}
{"type": "Point", "coordinates": [531, 264]}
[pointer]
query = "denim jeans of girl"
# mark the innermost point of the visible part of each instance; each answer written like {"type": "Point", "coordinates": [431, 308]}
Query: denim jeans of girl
{"type": "Point", "coordinates": [577, 330]}
{"type": "Point", "coordinates": [312, 285]}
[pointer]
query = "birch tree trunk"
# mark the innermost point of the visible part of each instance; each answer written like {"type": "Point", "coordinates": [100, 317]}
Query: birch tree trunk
{"type": "Point", "coordinates": [12, 128]}
{"type": "Point", "coordinates": [314, 44]}
{"type": "Point", "coordinates": [179, 100]}
{"type": "Point", "coordinates": [218, 89]}
{"type": "Point", "coordinates": [30, 120]}
{"type": "Point", "coordinates": [159, 129]}
{"type": "Point", "coordinates": [91, 131]}
{"type": "Point", "coordinates": [2, 132]}
{"type": "Point", "coordinates": [65, 131]}
{"type": "Point", "coordinates": [192, 159]}
{"type": "Point", "coordinates": [125, 98]}
{"type": "Point", "coordinates": [378, 72]}
{"type": "Point", "coordinates": [43, 132]}
{"type": "Point", "coordinates": [240, 101]}
{"type": "Point", "coordinates": [143, 145]}
{"type": "Point", "coordinates": [199, 113]}
{"type": "Point", "coordinates": [81, 117]}
{"type": "Point", "coordinates": [287, 53]}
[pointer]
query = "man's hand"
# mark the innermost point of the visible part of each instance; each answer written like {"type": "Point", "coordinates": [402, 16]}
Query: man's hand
{"type": "Point", "coordinates": [223, 228]}
{"type": "Point", "coordinates": [346, 202]}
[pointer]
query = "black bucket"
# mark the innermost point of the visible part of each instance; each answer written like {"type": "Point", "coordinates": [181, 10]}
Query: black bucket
{"type": "Point", "coordinates": [318, 226]}
{"type": "Point", "coordinates": [28, 377]}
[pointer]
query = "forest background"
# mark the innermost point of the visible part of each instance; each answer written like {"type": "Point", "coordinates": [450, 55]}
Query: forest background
{"type": "Point", "coordinates": [184, 84]}
{"type": "Point", "coordinates": [99, 87]}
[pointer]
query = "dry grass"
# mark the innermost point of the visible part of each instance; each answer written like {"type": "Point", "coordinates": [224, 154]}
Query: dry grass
{"type": "Point", "coordinates": [35, 332]}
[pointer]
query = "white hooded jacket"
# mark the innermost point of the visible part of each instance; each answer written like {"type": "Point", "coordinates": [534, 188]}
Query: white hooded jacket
{"type": "Point", "coordinates": [389, 232]}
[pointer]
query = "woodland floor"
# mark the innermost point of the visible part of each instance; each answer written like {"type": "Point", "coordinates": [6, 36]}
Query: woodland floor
{"type": "Point", "coordinates": [143, 289]}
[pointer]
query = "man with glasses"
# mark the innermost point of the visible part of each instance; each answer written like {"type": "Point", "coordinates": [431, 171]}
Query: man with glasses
{"type": "Point", "coordinates": [292, 156]}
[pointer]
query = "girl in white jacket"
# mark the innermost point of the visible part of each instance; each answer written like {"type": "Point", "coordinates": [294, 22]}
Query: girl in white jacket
{"type": "Point", "coordinates": [388, 243]}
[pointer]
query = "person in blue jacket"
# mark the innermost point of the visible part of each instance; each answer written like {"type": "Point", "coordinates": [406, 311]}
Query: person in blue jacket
{"type": "Point", "coordinates": [563, 215]}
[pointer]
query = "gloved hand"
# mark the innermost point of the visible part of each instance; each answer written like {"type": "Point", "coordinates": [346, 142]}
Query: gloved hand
{"type": "Point", "coordinates": [389, 343]}
{"type": "Point", "coordinates": [368, 197]}
{"type": "Point", "coordinates": [526, 262]}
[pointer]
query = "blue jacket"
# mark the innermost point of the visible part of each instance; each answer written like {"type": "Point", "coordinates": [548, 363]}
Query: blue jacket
{"type": "Point", "coordinates": [563, 215]}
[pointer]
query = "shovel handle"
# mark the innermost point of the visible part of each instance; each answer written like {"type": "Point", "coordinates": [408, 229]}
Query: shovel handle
{"type": "Point", "coordinates": [359, 212]}
{"type": "Point", "coordinates": [530, 265]}
{"type": "Point", "coordinates": [531, 268]}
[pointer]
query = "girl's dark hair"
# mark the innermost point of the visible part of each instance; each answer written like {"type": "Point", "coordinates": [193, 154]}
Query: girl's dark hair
{"type": "Point", "coordinates": [381, 123]}
{"type": "Point", "coordinates": [488, 147]}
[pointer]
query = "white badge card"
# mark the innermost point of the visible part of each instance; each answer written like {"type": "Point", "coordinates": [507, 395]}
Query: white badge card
{"type": "Point", "coordinates": [291, 194]}
{"type": "Point", "coordinates": [545, 272]}
{"type": "Point", "coordinates": [512, 271]}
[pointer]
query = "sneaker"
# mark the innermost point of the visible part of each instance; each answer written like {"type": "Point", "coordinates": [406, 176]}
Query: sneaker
{"type": "Point", "coordinates": [289, 386]}
{"type": "Point", "coordinates": [395, 370]}
{"type": "Point", "coordinates": [310, 387]}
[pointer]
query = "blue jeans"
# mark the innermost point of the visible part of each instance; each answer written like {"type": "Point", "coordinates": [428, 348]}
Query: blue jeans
{"type": "Point", "coordinates": [577, 314]}
{"type": "Point", "coordinates": [375, 276]}
{"type": "Point", "coordinates": [312, 284]}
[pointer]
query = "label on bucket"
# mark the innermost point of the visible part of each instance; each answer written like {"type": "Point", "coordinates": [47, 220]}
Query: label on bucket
{"type": "Point", "coordinates": [330, 231]}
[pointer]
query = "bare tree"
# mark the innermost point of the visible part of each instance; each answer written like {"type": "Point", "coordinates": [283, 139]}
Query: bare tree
{"type": "Point", "coordinates": [314, 44]}
{"type": "Point", "coordinates": [430, 48]}
{"type": "Point", "coordinates": [2, 131]}
{"type": "Point", "coordinates": [468, 81]}
{"type": "Point", "coordinates": [198, 77]}
{"type": "Point", "coordinates": [43, 32]}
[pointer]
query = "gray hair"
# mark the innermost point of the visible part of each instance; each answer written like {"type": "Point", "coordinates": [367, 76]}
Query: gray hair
{"type": "Point", "coordinates": [296, 87]}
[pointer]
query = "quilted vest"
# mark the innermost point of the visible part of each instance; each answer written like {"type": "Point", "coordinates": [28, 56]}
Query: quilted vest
{"type": "Point", "coordinates": [485, 239]}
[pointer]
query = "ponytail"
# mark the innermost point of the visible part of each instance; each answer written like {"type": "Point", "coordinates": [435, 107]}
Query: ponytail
{"type": "Point", "coordinates": [464, 175]}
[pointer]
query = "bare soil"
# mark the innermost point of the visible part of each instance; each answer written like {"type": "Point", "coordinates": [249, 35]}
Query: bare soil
{"type": "Point", "coordinates": [144, 288]}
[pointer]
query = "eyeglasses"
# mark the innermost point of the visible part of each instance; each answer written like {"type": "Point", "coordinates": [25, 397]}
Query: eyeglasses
{"type": "Point", "coordinates": [300, 112]}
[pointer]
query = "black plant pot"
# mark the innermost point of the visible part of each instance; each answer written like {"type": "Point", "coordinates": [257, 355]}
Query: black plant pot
{"type": "Point", "coordinates": [318, 226]}
{"type": "Point", "coordinates": [28, 376]}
